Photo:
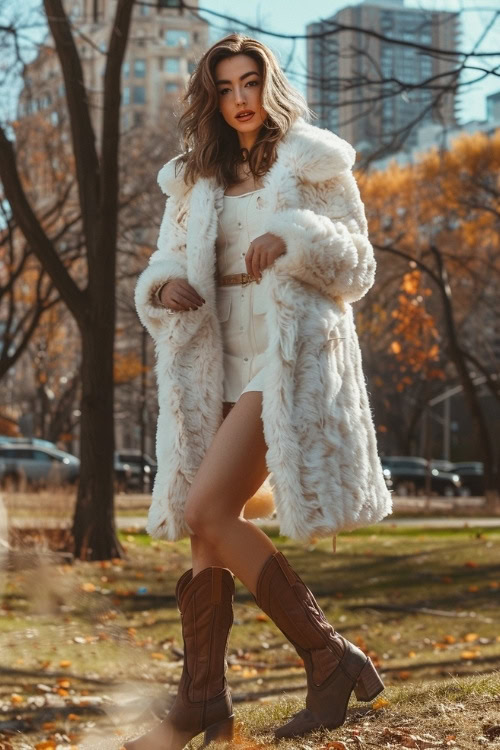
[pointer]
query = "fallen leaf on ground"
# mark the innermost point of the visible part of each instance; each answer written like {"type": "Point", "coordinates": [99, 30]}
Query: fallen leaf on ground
{"type": "Point", "coordinates": [471, 654]}
{"type": "Point", "coordinates": [380, 703]}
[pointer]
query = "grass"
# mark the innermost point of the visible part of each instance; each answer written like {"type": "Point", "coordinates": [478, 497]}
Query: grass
{"type": "Point", "coordinates": [89, 650]}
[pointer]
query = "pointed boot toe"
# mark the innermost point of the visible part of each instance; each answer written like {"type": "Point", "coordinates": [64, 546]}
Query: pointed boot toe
{"type": "Point", "coordinates": [304, 721]}
{"type": "Point", "coordinates": [334, 666]}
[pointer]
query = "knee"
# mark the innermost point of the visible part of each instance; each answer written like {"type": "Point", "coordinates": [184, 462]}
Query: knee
{"type": "Point", "coordinates": [201, 519]}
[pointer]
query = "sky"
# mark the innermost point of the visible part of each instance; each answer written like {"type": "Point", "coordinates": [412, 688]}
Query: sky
{"type": "Point", "coordinates": [292, 17]}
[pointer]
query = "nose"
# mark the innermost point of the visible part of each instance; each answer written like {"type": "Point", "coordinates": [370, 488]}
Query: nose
{"type": "Point", "coordinates": [239, 96]}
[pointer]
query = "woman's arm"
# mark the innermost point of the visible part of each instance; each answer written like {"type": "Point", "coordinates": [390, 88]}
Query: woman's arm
{"type": "Point", "coordinates": [328, 246]}
{"type": "Point", "coordinates": [166, 263]}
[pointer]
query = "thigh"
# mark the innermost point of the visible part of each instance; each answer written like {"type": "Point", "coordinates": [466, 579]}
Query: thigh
{"type": "Point", "coordinates": [234, 465]}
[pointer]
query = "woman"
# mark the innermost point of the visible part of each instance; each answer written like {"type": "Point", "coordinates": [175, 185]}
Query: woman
{"type": "Point", "coordinates": [262, 249]}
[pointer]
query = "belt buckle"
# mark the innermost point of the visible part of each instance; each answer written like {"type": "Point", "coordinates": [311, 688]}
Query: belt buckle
{"type": "Point", "coordinates": [247, 280]}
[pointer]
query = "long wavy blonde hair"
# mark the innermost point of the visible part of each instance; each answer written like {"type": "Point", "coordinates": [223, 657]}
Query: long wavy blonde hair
{"type": "Point", "coordinates": [211, 146]}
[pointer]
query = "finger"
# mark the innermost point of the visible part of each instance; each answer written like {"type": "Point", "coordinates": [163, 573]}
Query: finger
{"type": "Point", "coordinates": [248, 259]}
{"type": "Point", "coordinates": [264, 262]}
{"type": "Point", "coordinates": [185, 300]}
{"type": "Point", "coordinates": [188, 292]}
{"type": "Point", "coordinates": [256, 265]}
{"type": "Point", "coordinates": [193, 295]}
{"type": "Point", "coordinates": [186, 287]}
{"type": "Point", "coordinates": [173, 304]}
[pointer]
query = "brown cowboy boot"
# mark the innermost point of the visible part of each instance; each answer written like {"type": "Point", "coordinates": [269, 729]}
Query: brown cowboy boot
{"type": "Point", "coordinates": [334, 666]}
{"type": "Point", "coordinates": [203, 701]}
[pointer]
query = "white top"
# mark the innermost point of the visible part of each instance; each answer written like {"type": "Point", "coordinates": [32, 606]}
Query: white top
{"type": "Point", "coordinates": [240, 221]}
{"type": "Point", "coordinates": [241, 308]}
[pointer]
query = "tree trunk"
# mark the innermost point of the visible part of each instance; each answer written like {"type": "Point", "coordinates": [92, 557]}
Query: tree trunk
{"type": "Point", "coordinates": [94, 531]}
{"type": "Point", "coordinates": [469, 389]}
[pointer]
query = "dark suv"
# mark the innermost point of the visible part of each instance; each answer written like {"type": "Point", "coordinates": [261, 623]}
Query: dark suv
{"type": "Point", "coordinates": [409, 473]}
{"type": "Point", "coordinates": [128, 470]}
{"type": "Point", "coordinates": [471, 475]}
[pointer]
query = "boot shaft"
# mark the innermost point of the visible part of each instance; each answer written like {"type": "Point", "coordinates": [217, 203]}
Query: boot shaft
{"type": "Point", "coordinates": [206, 607]}
{"type": "Point", "coordinates": [285, 598]}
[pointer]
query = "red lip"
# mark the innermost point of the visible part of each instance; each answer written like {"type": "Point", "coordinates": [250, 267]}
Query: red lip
{"type": "Point", "coordinates": [245, 112]}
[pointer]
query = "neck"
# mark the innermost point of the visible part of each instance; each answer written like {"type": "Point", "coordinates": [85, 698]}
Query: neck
{"type": "Point", "coordinates": [247, 140]}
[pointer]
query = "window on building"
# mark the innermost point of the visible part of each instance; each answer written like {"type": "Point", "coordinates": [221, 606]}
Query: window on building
{"type": "Point", "coordinates": [138, 118]}
{"type": "Point", "coordinates": [172, 65]}
{"type": "Point", "coordinates": [171, 86]}
{"type": "Point", "coordinates": [191, 66]}
{"type": "Point", "coordinates": [54, 118]}
{"type": "Point", "coordinates": [386, 20]}
{"type": "Point", "coordinates": [177, 37]}
{"type": "Point", "coordinates": [126, 95]}
{"type": "Point", "coordinates": [144, 10]}
{"type": "Point", "coordinates": [169, 3]}
{"type": "Point", "coordinates": [126, 69]}
{"type": "Point", "coordinates": [139, 68]}
{"type": "Point", "coordinates": [139, 95]}
{"type": "Point", "coordinates": [426, 66]}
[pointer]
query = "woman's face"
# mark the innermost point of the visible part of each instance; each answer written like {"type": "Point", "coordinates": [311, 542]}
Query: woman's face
{"type": "Point", "coordinates": [239, 85]}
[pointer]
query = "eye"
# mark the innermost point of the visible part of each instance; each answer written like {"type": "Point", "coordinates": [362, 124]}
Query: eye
{"type": "Point", "coordinates": [222, 91]}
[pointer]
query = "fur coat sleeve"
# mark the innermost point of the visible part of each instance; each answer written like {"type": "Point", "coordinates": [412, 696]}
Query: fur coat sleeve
{"type": "Point", "coordinates": [166, 263]}
{"type": "Point", "coordinates": [327, 245]}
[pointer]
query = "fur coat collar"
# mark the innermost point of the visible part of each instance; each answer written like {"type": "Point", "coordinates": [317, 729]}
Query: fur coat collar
{"type": "Point", "coordinates": [325, 472]}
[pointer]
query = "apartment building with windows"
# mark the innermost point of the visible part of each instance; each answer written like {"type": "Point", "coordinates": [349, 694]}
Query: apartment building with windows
{"type": "Point", "coordinates": [164, 45]}
{"type": "Point", "coordinates": [370, 88]}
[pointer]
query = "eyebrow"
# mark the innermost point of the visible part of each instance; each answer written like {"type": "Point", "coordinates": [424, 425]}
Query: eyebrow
{"type": "Point", "coordinates": [245, 75]}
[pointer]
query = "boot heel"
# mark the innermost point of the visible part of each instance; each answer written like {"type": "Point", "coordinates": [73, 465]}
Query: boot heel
{"type": "Point", "coordinates": [369, 683]}
{"type": "Point", "coordinates": [221, 731]}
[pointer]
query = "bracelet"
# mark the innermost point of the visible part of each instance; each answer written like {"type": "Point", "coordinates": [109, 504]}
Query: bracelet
{"type": "Point", "coordinates": [157, 295]}
{"type": "Point", "coordinates": [158, 292]}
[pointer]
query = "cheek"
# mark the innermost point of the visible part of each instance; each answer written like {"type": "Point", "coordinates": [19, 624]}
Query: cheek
{"type": "Point", "coordinates": [223, 106]}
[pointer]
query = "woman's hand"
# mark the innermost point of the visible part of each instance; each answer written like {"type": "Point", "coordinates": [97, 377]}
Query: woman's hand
{"type": "Point", "coordinates": [179, 295]}
{"type": "Point", "coordinates": [262, 253]}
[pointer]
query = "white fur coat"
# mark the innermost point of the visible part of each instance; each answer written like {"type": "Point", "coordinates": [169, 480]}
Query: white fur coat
{"type": "Point", "coordinates": [322, 453]}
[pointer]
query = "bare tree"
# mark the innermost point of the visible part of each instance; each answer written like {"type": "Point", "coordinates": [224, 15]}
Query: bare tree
{"type": "Point", "coordinates": [93, 307]}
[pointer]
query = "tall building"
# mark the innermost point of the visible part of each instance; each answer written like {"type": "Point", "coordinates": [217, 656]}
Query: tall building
{"type": "Point", "coordinates": [164, 45]}
{"type": "Point", "coordinates": [493, 108]}
{"type": "Point", "coordinates": [353, 77]}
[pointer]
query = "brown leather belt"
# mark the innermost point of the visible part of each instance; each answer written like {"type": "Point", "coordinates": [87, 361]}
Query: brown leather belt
{"type": "Point", "coordinates": [237, 278]}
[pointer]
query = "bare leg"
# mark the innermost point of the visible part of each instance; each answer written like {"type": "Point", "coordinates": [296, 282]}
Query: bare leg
{"type": "Point", "coordinates": [232, 470]}
{"type": "Point", "coordinates": [202, 552]}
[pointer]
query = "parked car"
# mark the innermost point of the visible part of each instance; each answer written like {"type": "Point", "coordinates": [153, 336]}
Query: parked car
{"type": "Point", "coordinates": [128, 470]}
{"type": "Point", "coordinates": [388, 477]}
{"type": "Point", "coordinates": [409, 473]}
{"type": "Point", "coordinates": [27, 441]}
{"type": "Point", "coordinates": [36, 465]}
{"type": "Point", "coordinates": [471, 475]}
